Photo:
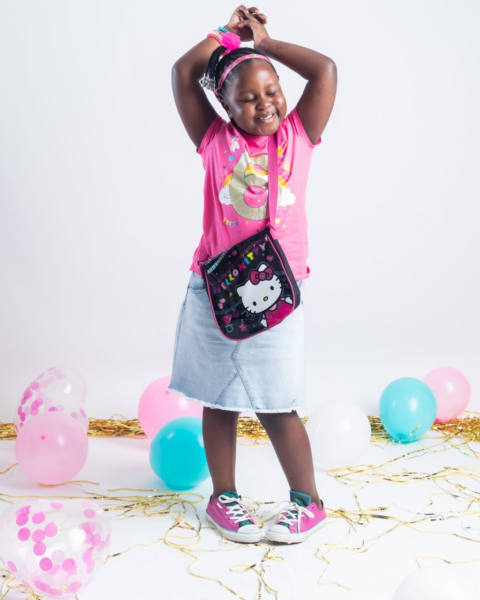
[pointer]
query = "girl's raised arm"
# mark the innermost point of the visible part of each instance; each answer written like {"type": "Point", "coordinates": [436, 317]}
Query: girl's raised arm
{"type": "Point", "coordinates": [193, 106]}
{"type": "Point", "coordinates": [316, 102]}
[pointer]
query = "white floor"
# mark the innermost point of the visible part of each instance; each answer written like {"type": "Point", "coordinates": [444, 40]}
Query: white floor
{"type": "Point", "coordinates": [160, 571]}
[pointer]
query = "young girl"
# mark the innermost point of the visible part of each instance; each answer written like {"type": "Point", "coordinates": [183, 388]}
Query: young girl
{"type": "Point", "coordinates": [265, 372]}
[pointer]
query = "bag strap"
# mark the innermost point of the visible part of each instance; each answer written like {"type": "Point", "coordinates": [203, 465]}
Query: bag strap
{"type": "Point", "coordinates": [272, 178]}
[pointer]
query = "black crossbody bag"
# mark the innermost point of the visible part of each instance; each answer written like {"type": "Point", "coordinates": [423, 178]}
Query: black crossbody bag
{"type": "Point", "coordinates": [250, 285]}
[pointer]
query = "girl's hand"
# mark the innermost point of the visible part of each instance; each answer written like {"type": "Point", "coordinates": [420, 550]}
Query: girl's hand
{"type": "Point", "coordinates": [254, 22]}
{"type": "Point", "coordinates": [241, 14]}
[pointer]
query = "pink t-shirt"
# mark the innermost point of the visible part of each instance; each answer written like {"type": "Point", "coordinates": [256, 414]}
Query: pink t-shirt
{"type": "Point", "coordinates": [236, 179]}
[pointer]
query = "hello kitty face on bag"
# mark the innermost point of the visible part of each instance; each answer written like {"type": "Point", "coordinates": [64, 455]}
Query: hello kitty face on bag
{"type": "Point", "coordinates": [262, 291]}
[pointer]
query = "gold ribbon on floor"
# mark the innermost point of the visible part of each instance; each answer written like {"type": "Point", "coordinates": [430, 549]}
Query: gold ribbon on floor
{"type": "Point", "coordinates": [250, 429]}
{"type": "Point", "coordinates": [184, 533]}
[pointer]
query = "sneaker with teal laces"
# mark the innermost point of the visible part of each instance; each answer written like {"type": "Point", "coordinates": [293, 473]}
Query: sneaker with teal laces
{"type": "Point", "coordinates": [298, 520]}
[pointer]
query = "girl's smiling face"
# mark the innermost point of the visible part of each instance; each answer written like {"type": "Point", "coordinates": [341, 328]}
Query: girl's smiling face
{"type": "Point", "coordinates": [255, 92]}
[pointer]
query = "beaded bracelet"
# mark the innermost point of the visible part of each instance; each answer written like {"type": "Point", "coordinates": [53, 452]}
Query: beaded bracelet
{"type": "Point", "coordinates": [216, 34]}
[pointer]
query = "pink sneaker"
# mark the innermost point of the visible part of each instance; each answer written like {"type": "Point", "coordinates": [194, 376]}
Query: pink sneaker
{"type": "Point", "coordinates": [228, 513]}
{"type": "Point", "coordinates": [298, 520]}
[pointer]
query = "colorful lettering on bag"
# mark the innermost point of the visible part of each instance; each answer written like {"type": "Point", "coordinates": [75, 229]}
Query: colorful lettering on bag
{"type": "Point", "coordinates": [250, 255]}
{"type": "Point", "coordinates": [246, 260]}
{"type": "Point", "coordinates": [256, 250]}
{"type": "Point", "coordinates": [223, 286]}
{"type": "Point", "coordinates": [242, 267]}
{"type": "Point", "coordinates": [217, 289]}
{"type": "Point", "coordinates": [235, 272]}
{"type": "Point", "coordinates": [218, 261]}
{"type": "Point", "coordinates": [227, 282]}
{"type": "Point", "coordinates": [230, 277]}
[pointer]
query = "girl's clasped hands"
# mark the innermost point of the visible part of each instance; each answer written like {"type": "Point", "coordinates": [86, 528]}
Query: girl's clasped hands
{"type": "Point", "coordinates": [249, 24]}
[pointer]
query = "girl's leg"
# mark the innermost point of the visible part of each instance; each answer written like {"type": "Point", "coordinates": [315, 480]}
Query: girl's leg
{"type": "Point", "coordinates": [220, 439]}
{"type": "Point", "coordinates": [290, 440]}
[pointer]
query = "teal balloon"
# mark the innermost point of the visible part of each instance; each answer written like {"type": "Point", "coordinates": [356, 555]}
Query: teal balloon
{"type": "Point", "coordinates": [177, 453]}
{"type": "Point", "coordinates": [407, 409]}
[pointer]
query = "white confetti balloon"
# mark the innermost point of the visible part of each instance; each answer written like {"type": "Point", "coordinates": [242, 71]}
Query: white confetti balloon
{"type": "Point", "coordinates": [61, 389]}
{"type": "Point", "coordinates": [54, 547]}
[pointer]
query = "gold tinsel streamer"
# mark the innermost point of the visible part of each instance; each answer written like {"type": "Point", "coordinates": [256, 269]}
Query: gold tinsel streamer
{"type": "Point", "coordinates": [183, 535]}
{"type": "Point", "coordinates": [250, 429]}
{"type": "Point", "coordinates": [157, 505]}
{"type": "Point", "coordinates": [362, 475]}
{"type": "Point", "coordinates": [458, 434]}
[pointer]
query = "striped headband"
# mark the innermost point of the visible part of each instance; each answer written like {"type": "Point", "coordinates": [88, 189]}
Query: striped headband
{"type": "Point", "coordinates": [234, 64]}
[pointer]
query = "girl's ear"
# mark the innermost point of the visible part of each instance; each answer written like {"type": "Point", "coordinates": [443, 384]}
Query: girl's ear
{"type": "Point", "coordinates": [225, 106]}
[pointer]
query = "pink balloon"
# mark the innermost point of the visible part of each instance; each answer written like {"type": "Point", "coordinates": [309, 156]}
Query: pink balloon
{"type": "Point", "coordinates": [451, 390]}
{"type": "Point", "coordinates": [52, 448]}
{"type": "Point", "coordinates": [158, 406]}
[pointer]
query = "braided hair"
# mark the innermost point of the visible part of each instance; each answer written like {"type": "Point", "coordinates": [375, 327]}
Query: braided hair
{"type": "Point", "coordinates": [217, 65]}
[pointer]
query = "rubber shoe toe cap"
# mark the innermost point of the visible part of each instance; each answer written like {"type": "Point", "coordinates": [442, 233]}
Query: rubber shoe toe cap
{"type": "Point", "coordinates": [249, 529]}
{"type": "Point", "coordinates": [279, 529]}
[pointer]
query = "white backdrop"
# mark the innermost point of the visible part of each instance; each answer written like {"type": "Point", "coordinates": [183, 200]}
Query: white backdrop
{"type": "Point", "coordinates": [101, 192]}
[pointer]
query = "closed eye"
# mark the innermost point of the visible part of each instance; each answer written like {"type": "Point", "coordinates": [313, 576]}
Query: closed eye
{"type": "Point", "coordinates": [252, 99]}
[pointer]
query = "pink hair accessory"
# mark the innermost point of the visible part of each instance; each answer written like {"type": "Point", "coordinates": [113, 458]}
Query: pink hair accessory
{"type": "Point", "coordinates": [234, 64]}
{"type": "Point", "coordinates": [231, 41]}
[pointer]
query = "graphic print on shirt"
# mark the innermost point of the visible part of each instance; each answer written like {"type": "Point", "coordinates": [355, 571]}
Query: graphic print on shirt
{"type": "Point", "coordinates": [245, 190]}
{"type": "Point", "coordinates": [262, 294]}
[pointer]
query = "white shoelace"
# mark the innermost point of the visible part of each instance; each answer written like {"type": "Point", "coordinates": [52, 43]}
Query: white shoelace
{"type": "Point", "coordinates": [238, 512]}
{"type": "Point", "coordinates": [292, 512]}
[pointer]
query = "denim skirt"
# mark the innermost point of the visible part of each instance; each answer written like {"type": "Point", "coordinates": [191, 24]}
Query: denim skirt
{"type": "Point", "coordinates": [263, 373]}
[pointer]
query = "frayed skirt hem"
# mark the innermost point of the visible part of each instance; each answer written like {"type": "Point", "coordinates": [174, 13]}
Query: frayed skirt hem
{"type": "Point", "coordinates": [245, 409]}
